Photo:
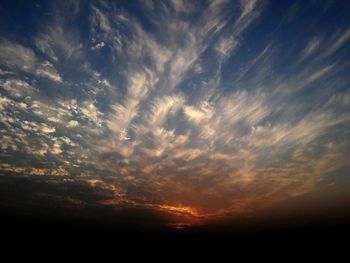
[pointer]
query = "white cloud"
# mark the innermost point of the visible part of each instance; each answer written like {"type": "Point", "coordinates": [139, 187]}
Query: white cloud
{"type": "Point", "coordinates": [90, 111]}
{"type": "Point", "coordinates": [123, 114]}
{"type": "Point", "coordinates": [98, 45]}
{"type": "Point", "coordinates": [42, 150]}
{"type": "Point", "coordinates": [226, 46]}
{"type": "Point", "coordinates": [197, 114]}
{"type": "Point", "coordinates": [17, 87]}
{"type": "Point", "coordinates": [46, 128]}
{"type": "Point", "coordinates": [247, 7]}
{"type": "Point", "coordinates": [72, 123]}
{"type": "Point", "coordinates": [58, 42]}
{"type": "Point", "coordinates": [341, 39]}
{"type": "Point", "coordinates": [17, 57]}
{"type": "Point", "coordinates": [123, 136]}
{"type": "Point", "coordinates": [99, 19]}
{"type": "Point", "coordinates": [56, 148]}
{"type": "Point", "coordinates": [161, 107]}
{"type": "Point", "coordinates": [67, 141]}
{"type": "Point", "coordinates": [46, 69]}
{"type": "Point", "coordinates": [311, 47]}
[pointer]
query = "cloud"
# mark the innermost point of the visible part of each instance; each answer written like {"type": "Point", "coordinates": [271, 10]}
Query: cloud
{"type": "Point", "coordinates": [340, 39]}
{"type": "Point", "coordinates": [17, 57]}
{"type": "Point", "coordinates": [149, 112]}
{"type": "Point", "coordinates": [46, 129]}
{"type": "Point", "coordinates": [98, 45]}
{"type": "Point", "coordinates": [58, 42]}
{"type": "Point", "coordinates": [162, 107]}
{"type": "Point", "coordinates": [17, 87]}
{"type": "Point", "coordinates": [32, 171]}
{"type": "Point", "coordinates": [47, 70]}
{"type": "Point", "coordinates": [56, 148]}
{"type": "Point", "coordinates": [72, 123]}
{"type": "Point", "coordinates": [197, 114]}
{"type": "Point", "coordinates": [100, 20]}
{"type": "Point", "coordinates": [226, 46]}
{"type": "Point", "coordinates": [123, 114]}
{"type": "Point", "coordinates": [311, 47]}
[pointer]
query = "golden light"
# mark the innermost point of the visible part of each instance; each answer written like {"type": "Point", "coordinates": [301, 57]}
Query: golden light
{"type": "Point", "coordinates": [181, 210]}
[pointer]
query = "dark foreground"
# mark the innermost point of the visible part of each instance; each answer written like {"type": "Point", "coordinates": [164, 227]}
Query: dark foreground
{"type": "Point", "coordinates": [44, 233]}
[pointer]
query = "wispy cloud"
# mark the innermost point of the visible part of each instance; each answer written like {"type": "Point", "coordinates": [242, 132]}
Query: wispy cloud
{"type": "Point", "coordinates": [17, 57]}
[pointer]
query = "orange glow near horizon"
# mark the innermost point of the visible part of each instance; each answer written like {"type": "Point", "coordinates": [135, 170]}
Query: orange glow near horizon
{"type": "Point", "coordinates": [182, 210]}
{"type": "Point", "coordinates": [184, 216]}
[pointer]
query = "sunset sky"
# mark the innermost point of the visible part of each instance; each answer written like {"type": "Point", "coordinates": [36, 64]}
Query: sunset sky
{"type": "Point", "coordinates": [182, 112]}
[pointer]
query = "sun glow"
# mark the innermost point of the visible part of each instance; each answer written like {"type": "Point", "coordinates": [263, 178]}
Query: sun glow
{"type": "Point", "coordinates": [181, 210]}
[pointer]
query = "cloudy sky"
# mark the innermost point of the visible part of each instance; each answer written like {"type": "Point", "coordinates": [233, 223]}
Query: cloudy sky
{"type": "Point", "coordinates": [200, 110]}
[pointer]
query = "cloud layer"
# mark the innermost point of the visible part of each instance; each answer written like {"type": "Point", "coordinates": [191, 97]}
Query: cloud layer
{"type": "Point", "coordinates": [189, 107]}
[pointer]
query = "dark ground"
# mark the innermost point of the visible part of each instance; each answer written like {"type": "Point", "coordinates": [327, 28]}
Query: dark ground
{"type": "Point", "coordinates": [23, 232]}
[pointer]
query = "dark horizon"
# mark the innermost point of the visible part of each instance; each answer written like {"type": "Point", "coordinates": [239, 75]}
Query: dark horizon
{"type": "Point", "coordinates": [288, 220]}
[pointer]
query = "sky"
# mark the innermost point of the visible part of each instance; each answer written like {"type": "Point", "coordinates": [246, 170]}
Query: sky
{"type": "Point", "coordinates": [182, 112]}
